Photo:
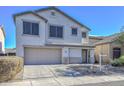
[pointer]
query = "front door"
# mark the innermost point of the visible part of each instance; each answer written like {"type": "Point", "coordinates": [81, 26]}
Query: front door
{"type": "Point", "coordinates": [84, 55]}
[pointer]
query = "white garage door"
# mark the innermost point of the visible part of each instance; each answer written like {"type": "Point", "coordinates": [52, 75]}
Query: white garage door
{"type": "Point", "coordinates": [75, 56]}
{"type": "Point", "coordinates": [36, 56]}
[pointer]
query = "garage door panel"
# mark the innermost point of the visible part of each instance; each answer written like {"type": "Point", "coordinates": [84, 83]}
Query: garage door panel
{"type": "Point", "coordinates": [41, 56]}
{"type": "Point", "coordinates": [75, 56]}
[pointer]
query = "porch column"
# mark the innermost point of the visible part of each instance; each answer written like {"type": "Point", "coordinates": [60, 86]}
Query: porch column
{"type": "Point", "coordinates": [92, 60]}
{"type": "Point", "coordinates": [88, 56]}
{"type": "Point", "coordinates": [65, 55]}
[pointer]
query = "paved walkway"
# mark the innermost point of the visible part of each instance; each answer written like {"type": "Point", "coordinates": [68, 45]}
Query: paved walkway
{"type": "Point", "coordinates": [57, 75]}
{"type": "Point", "coordinates": [112, 83]}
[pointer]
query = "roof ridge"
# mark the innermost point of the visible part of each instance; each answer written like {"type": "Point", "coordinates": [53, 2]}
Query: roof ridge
{"type": "Point", "coordinates": [65, 14]}
{"type": "Point", "coordinates": [51, 7]}
{"type": "Point", "coordinates": [33, 12]}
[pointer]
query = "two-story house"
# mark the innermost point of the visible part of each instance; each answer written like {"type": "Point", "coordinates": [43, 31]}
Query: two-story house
{"type": "Point", "coordinates": [2, 40]}
{"type": "Point", "coordinates": [50, 36]}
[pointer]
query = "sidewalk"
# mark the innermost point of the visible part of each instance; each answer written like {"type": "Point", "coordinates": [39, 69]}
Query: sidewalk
{"type": "Point", "coordinates": [63, 81]}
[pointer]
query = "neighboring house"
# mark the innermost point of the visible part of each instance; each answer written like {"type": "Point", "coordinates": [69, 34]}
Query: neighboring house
{"type": "Point", "coordinates": [10, 52]}
{"type": "Point", "coordinates": [49, 36]}
{"type": "Point", "coordinates": [94, 39]}
{"type": "Point", "coordinates": [2, 40]}
{"type": "Point", "coordinates": [108, 46]}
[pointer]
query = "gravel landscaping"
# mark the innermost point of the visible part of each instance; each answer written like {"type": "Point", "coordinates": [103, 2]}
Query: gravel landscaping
{"type": "Point", "coordinates": [85, 70]}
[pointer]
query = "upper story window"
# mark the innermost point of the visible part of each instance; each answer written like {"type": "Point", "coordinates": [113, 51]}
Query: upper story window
{"type": "Point", "coordinates": [56, 31]}
{"type": "Point", "coordinates": [74, 31]}
{"type": "Point", "coordinates": [84, 34]}
{"type": "Point", "coordinates": [30, 28]}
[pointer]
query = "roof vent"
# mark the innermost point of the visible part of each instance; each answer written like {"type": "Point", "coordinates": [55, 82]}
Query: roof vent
{"type": "Point", "coordinates": [53, 13]}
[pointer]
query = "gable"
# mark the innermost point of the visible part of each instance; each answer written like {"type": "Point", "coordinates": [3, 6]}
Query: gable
{"type": "Point", "coordinates": [62, 13]}
{"type": "Point", "coordinates": [28, 12]}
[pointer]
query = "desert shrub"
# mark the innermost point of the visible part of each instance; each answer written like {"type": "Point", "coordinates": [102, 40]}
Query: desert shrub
{"type": "Point", "coordinates": [118, 62]}
{"type": "Point", "coordinates": [11, 68]}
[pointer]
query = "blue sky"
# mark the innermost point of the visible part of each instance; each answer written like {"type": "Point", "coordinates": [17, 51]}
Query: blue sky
{"type": "Point", "coordinates": [102, 20]}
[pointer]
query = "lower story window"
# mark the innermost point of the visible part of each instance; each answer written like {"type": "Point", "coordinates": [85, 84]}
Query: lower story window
{"type": "Point", "coordinates": [116, 53]}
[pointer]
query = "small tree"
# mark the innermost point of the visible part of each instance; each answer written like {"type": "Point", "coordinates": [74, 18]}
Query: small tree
{"type": "Point", "coordinates": [120, 37]}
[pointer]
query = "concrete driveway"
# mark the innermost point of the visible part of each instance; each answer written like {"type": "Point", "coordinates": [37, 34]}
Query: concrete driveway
{"type": "Point", "coordinates": [57, 75]}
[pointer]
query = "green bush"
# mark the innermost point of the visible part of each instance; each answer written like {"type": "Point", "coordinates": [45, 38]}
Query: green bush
{"type": "Point", "coordinates": [121, 61]}
{"type": "Point", "coordinates": [115, 63]}
{"type": "Point", "coordinates": [118, 62]}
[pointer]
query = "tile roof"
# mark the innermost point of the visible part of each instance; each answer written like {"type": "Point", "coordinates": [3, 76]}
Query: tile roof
{"type": "Point", "coordinates": [96, 37]}
{"type": "Point", "coordinates": [109, 39]}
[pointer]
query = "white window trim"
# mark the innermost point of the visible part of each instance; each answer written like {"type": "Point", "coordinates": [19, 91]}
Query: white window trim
{"type": "Point", "coordinates": [74, 34]}
{"type": "Point", "coordinates": [49, 31]}
{"type": "Point", "coordinates": [31, 21]}
{"type": "Point", "coordinates": [86, 35]}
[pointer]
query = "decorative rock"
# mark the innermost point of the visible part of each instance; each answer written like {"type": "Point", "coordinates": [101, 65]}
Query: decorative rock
{"type": "Point", "coordinates": [69, 73]}
{"type": "Point", "coordinates": [76, 74]}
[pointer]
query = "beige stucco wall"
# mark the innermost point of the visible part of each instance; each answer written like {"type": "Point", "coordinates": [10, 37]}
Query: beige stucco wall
{"type": "Point", "coordinates": [103, 49]}
{"type": "Point", "coordinates": [107, 49]}
{"type": "Point", "coordinates": [2, 40]}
